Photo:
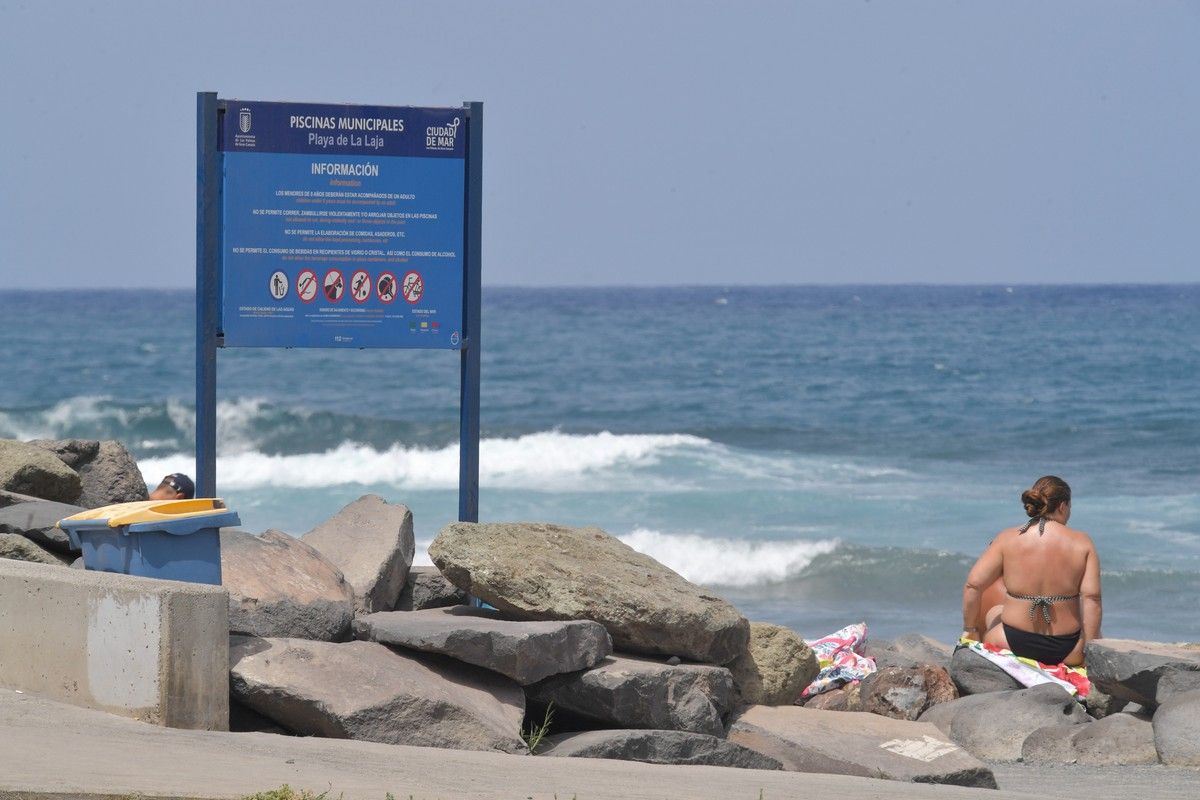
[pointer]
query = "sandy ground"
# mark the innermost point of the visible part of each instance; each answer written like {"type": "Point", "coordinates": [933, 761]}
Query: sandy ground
{"type": "Point", "coordinates": [49, 749]}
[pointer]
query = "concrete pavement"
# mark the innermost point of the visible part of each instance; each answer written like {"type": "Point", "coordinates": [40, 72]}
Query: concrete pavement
{"type": "Point", "coordinates": [49, 749]}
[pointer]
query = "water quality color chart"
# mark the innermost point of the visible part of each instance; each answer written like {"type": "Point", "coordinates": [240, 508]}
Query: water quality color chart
{"type": "Point", "coordinates": [342, 226]}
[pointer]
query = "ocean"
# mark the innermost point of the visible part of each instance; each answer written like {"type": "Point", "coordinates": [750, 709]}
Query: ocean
{"type": "Point", "coordinates": [817, 455]}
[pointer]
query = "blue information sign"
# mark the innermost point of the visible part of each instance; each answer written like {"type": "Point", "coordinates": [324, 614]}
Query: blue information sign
{"type": "Point", "coordinates": [342, 226]}
{"type": "Point", "coordinates": [338, 226]}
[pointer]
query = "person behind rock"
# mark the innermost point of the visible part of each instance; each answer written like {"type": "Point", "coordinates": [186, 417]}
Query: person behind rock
{"type": "Point", "coordinates": [1051, 579]}
{"type": "Point", "coordinates": [175, 486]}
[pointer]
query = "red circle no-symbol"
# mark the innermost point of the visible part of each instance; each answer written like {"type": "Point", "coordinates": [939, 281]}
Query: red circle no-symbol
{"type": "Point", "coordinates": [335, 286]}
{"type": "Point", "coordinates": [360, 285]}
{"type": "Point", "coordinates": [306, 286]}
{"type": "Point", "coordinates": [413, 287]}
{"type": "Point", "coordinates": [385, 287]}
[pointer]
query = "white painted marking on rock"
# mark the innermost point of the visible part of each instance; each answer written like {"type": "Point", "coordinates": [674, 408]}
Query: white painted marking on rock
{"type": "Point", "coordinates": [924, 749]}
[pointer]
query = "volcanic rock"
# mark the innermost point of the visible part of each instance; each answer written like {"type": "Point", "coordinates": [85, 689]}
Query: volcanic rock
{"type": "Point", "coordinates": [16, 546]}
{"type": "Point", "coordinates": [906, 692]}
{"type": "Point", "coordinates": [371, 542]}
{"type": "Point", "coordinates": [363, 690]}
{"type": "Point", "coordinates": [910, 650]}
{"type": "Point", "coordinates": [542, 571]}
{"type": "Point", "coordinates": [806, 740]}
{"type": "Point", "coordinates": [71, 452]}
{"type": "Point", "coordinates": [776, 667]}
{"type": "Point", "coordinates": [525, 651]}
{"type": "Point", "coordinates": [1149, 673]}
{"type": "Point", "coordinates": [974, 674]}
{"type": "Point", "coordinates": [655, 747]}
{"type": "Point", "coordinates": [843, 698]}
{"type": "Point", "coordinates": [36, 521]}
{"type": "Point", "coordinates": [994, 726]}
{"type": "Point", "coordinates": [630, 692]}
{"type": "Point", "coordinates": [111, 476]}
{"type": "Point", "coordinates": [280, 586]}
{"type": "Point", "coordinates": [1116, 740]}
{"type": "Point", "coordinates": [1177, 730]}
{"type": "Point", "coordinates": [34, 471]}
{"type": "Point", "coordinates": [427, 587]}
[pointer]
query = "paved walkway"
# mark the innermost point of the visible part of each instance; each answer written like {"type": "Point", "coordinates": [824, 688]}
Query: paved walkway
{"type": "Point", "coordinates": [48, 748]}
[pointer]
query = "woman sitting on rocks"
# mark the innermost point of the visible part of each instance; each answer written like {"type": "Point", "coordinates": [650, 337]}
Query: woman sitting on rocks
{"type": "Point", "coordinates": [1051, 582]}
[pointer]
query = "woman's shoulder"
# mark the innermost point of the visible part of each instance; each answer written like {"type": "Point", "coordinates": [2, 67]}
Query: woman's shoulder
{"type": "Point", "coordinates": [1079, 536]}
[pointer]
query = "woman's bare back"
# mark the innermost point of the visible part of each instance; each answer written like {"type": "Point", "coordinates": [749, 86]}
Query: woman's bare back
{"type": "Point", "coordinates": [1050, 562]}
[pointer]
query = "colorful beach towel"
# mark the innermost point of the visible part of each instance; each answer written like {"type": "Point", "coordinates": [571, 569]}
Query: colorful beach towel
{"type": "Point", "coordinates": [1028, 672]}
{"type": "Point", "coordinates": [842, 659]}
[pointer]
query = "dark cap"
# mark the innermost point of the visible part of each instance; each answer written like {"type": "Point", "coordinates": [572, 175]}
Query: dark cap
{"type": "Point", "coordinates": [181, 483]}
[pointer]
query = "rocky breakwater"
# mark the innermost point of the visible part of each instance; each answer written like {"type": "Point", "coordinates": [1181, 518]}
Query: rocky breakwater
{"type": "Point", "coordinates": [1142, 709]}
{"type": "Point", "coordinates": [43, 481]}
{"type": "Point", "coordinates": [687, 665]}
{"type": "Point", "coordinates": [542, 571]}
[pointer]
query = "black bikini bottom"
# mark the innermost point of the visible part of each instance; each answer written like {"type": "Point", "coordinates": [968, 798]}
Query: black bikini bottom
{"type": "Point", "coordinates": [1039, 646]}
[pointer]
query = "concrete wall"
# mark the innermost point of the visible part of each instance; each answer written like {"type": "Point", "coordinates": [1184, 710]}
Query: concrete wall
{"type": "Point", "coordinates": [153, 650]}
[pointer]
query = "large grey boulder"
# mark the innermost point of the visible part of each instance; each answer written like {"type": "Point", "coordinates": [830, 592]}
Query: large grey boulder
{"type": "Point", "coordinates": [363, 690]}
{"type": "Point", "coordinates": [974, 674]}
{"type": "Point", "coordinates": [1148, 673]}
{"type": "Point", "coordinates": [1177, 730]}
{"type": "Point", "coordinates": [1116, 740]}
{"type": "Point", "coordinates": [279, 586]}
{"type": "Point", "coordinates": [655, 747]}
{"type": "Point", "coordinates": [371, 542]}
{"type": "Point", "coordinates": [542, 571]}
{"type": "Point", "coordinates": [866, 745]}
{"type": "Point", "coordinates": [427, 587]}
{"type": "Point", "coordinates": [994, 726]}
{"type": "Point", "coordinates": [525, 651]}
{"type": "Point", "coordinates": [910, 650]}
{"type": "Point", "coordinates": [906, 692]}
{"type": "Point", "coordinates": [630, 692]}
{"type": "Point", "coordinates": [17, 547]}
{"type": "Point", "coordinates": [34, 471]}
{"type": "Point", "coordinates": [111, 476]}
{"type": "Point", "coordinates": [72, 452]}
{"type": "Point", "coordinates": [777, 666]}
{"type": "Point", "coordinates": [37, 520]}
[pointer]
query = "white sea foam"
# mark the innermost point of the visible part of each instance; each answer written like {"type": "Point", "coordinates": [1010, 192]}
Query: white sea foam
{"type": "Point", "coordinates": [728, 562]}
{"type": "Point", "coordinates": [51, 422]}
{"type": "Point", "coordinates": [105, 417]}
{"type": "Point", "coordinates": [546, 460]}
{"type": "Point", "coordinates": [715, 561]}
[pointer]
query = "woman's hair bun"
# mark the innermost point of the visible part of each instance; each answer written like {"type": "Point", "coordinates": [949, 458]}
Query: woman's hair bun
{"type": "Point", "coordinates": [1045, 496]}
{"type": "Point", "coordinates": [1035, 504]}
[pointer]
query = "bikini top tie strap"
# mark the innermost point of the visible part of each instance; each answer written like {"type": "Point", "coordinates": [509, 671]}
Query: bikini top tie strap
{"type": "Point", "coordinates": [1043, 602]}
{"type": "Point", "coordinates": [1041, 521]}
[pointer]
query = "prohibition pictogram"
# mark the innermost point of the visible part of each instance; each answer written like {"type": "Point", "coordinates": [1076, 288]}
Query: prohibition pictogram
{"type": "Point", "coordinates": [413, 287]}
{"type": "Point", "coordinates": [306, 285]}
{"type": "Point", "coordinates": [385, 287]}
{"type": "Point", "coordinates": [360, 285]}
{"type": "Point", "coordinates": [278, 285]}
{"type": "Point", "coordinates": [335, 286]}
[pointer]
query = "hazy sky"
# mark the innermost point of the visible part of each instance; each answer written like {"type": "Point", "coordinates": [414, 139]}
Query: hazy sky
{"type": "Point", "coordinates": [646, 143]}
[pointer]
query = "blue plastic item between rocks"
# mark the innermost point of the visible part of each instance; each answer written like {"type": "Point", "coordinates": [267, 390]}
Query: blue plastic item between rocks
{"type": "Point", "coordinates": [154, 539]}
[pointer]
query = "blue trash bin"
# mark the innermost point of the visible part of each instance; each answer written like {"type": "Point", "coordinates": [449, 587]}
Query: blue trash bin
{"type": "Point", "coordinates": [176, 540]}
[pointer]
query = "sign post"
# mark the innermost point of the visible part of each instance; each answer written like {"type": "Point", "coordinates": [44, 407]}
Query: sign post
{"type": "Point", "coordinates": [338, 226]}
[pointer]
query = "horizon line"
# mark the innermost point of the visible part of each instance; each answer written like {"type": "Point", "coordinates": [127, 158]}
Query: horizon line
{"type": "Point", "coordinates": [716, 286]}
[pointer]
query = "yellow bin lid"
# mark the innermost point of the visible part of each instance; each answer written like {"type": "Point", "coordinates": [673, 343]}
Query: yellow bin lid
{"type": "Point", "coordinates": [120, 514]}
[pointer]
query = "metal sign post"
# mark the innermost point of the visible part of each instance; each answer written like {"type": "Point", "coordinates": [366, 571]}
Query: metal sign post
{"type": "Point", "coordinates": [338, 226]}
